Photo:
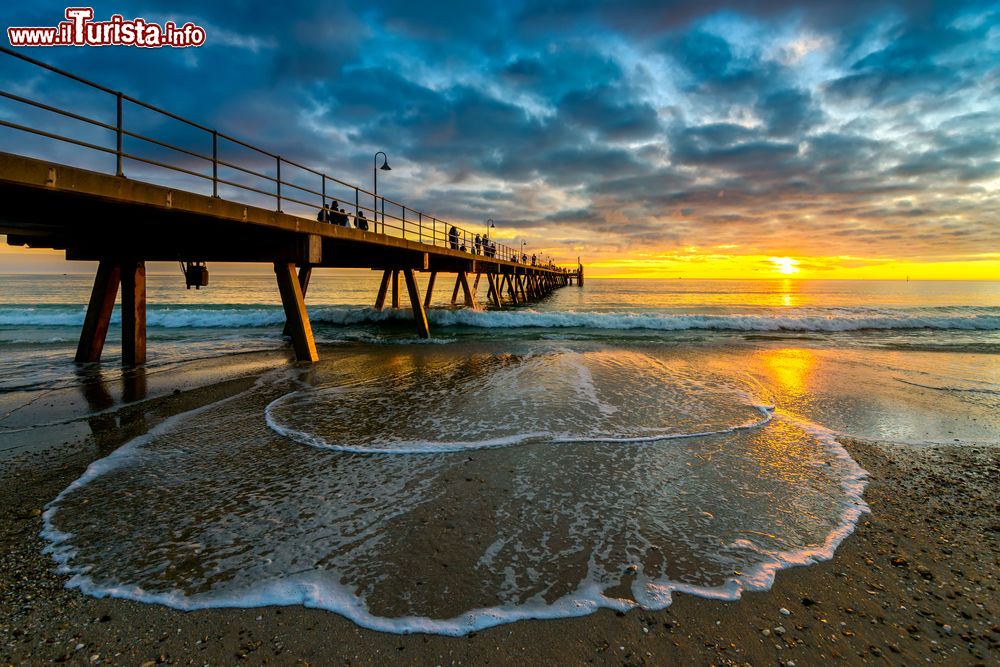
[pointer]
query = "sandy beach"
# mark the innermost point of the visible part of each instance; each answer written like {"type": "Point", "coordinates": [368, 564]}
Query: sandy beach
{"type": "Point", "coordinates": [915, 582]}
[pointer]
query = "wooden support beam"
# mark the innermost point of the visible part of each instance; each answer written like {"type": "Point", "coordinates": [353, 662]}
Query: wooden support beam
{"type": "Point", "coordinates": [470, 296]}
{"type": "Point", "coordinates": [382, 289]}
{"type": "Point", "coordinates": [458, 284]}
{"type": "Point", "coordinates": [305, 273]}
{"type": "Point", "coordinates": [133, 274]}
{"type": "Point", "coordinates": [102, 302]}
{"type": "Point", "coordinates": [510, 287]}
{"type": "Point", "coordinates": [419, 314]}
{"type": "Point", "coordinates": [295, 312]}
{"type": "Point", "coordinates": [520, 285]}
{"type": "Point", "coordinates": [494, 293]}
{"type": "Point", "coordinates": [430, 289]}
{"type": "Point", "coordinates": [395, 289]}
{"type": "Point", "coordinates": [475, 285]}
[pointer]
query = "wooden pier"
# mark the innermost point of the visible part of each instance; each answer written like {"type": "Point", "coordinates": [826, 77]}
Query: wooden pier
{"type": "Point", "coordinates": [122, 224]}
{"type": "Point", "coordinates": [257, 207]}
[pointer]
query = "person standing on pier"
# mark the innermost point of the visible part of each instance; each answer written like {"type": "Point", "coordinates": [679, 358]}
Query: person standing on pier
{"type": "Point", "coordinates": [324, 214]}
{"type": "Point", "coordinates": [337, 216]}
{"type": "Point", "coordinates": [479, 243]}
{"type": "Point", "coordinates": [453, 237]}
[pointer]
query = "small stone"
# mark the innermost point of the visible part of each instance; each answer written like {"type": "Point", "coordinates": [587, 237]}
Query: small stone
{"type": "Point", "coordinates": [947, 628]}
{"type": "Point", "coordinates": [784, 612]}
{"type": "Point", "coordinates": [148, 663]}
{"type": "Point", "coordinates": [780, 630]}
{"type": "Point", "coordinates": [633, 568]}
{"type": "Point", "coordinates": [924, 572]}
{"type": "Point", "coordinates": [899, 561]}
{"type": "Point", "coordinates": [766, 632]}
{"type": "Point", "coordinates": [78, 647]}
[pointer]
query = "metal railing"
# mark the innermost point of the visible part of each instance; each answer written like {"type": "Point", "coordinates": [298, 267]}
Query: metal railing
{"type": "Point", "coordinates": [400, 221]}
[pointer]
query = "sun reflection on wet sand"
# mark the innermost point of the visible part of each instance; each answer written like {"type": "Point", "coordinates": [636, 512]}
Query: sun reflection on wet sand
{"type": "Point", "coordinates": [789, 371]}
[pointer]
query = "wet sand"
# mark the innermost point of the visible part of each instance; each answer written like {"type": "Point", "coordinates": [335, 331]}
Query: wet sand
{"type": "Point", "coordinates": [916, 582]}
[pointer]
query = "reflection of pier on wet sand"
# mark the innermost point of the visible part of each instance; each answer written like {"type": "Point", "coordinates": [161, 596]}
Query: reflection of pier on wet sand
{"type": "Point", "coordinates": [122, 223]}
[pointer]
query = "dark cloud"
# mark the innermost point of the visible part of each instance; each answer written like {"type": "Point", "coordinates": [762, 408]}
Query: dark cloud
{"type": "Point", "coordinates": [653, 122]}
{"type": "Point", "coordinates": [789, 112]}
{"type": "Point", "coordinates": [610, 114]}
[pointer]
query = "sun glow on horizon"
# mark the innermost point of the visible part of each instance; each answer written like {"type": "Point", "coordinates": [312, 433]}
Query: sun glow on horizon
{"type": "Point", "coordinates": [785, 265]}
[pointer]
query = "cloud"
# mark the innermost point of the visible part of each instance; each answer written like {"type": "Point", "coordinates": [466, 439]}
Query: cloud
{"type": "Point", "coordinates": [613, 126]}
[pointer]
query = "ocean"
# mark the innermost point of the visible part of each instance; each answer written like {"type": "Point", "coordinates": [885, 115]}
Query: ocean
{"type": "Point", "coordinates": [606, 447]}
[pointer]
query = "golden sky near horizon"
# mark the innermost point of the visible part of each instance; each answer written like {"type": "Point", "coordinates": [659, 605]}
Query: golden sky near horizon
{"type": "Point", "coordinates": [691, 263]}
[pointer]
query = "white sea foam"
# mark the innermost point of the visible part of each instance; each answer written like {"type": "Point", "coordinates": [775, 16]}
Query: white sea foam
{"type": "Point", "coordinates": [373, 502]}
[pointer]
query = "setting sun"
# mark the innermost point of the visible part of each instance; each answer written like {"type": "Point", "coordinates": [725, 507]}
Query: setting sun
{"type": "Point", "coordinates": [785, 265]}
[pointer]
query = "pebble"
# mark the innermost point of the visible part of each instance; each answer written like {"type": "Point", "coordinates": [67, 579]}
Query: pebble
{"type": "Point", "coordinates": [780, 630]}
{"type": "Point", "coordinates": [784, 612]}
{"type": "Point", "coordinates": [765, 632]}
{"type": "Point", "coordinates": [947, 628]}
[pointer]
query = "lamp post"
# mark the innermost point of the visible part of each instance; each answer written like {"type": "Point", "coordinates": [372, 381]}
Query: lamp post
{"type": "Point", "coordinates": [523, 243]}
{"type": "Point", "coordinates": [385, 167]}
{"type": "Point", "coordinates": [489, 226]}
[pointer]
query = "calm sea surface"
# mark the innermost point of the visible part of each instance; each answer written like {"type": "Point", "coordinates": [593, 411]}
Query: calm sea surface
{"type": "Point", "coordinates": [606, 447]}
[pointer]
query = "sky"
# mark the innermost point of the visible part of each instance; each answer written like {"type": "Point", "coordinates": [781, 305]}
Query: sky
{"type": "Point", "coordinates": [702, 139]}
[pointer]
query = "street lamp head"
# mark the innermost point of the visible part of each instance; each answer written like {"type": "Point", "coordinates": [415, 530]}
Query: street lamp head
{"type": "Point", "coordinates": [385, 166]}
{"type": "Point", "coordinates": [385, 161]}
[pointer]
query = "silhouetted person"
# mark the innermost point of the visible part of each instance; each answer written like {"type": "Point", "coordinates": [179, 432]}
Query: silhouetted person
{"type": "Point", "coordinates": [453, 237]}
{"type": "Point", "coordinates": [337, 216]}
{"type": "Point", "coordinates": [524, 259]}
{"type": "Point", "coordinates": [360, 221]}
{"type": "Point", "coordinates": [324, 214]}
{"type": "Point", "coordinates": [533, 260]}
{"type": "Point", "coordinates": [479, 243]}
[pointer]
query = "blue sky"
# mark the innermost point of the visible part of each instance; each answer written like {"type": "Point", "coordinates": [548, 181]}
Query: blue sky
{"type": "Point", "coordinates": [844, 135]}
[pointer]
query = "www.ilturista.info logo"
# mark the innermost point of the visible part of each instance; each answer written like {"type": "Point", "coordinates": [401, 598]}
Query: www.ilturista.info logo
{"type": "Point", "coordinates": [79, 29]}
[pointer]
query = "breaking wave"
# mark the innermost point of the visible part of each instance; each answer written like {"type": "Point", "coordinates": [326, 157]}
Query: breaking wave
{"type": "Point", "coordinates": [803, 320]}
